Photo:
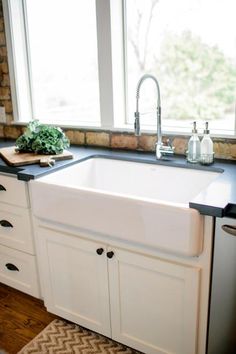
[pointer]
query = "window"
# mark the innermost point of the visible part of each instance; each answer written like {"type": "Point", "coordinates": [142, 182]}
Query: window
{"type": "Point", "coordinates": [63, 56]}
{"type": "Point", "coordinates": [78, 62]}
{"type": "Point", "coordinates": [57, 42]}
{"type": "Point", "coordinates": [190, 46]}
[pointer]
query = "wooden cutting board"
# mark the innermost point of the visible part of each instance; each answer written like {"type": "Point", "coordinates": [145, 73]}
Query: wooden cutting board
{"type": "Point", "coordinates": [14, 158]}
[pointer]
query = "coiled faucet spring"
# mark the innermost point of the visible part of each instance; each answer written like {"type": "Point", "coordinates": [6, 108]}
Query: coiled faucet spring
{"type": "Point", "coordinates": [160, 149]}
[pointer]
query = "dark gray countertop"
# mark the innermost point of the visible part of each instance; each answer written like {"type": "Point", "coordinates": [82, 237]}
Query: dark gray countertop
{"type": "Point", "coordinates": [218, 199]}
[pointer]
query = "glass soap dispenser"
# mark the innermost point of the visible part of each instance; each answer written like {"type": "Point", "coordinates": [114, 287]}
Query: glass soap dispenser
{"type": "Point", "coordinates": [193, 154]}
{"type": "Point", "coordinates": [207, 154]}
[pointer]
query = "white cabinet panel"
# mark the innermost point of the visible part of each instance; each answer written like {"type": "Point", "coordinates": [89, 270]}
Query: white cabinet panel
{"type": "Point", "coordinates": [154, 303]}
{"type": "Point", "coordinates": [15, 228]}
{"type": "Point", "coordinates": [16, 237]}
{"type": "Point", "coordinates": [13, 191]}
{"type": "Point", "coordinates": [18, 269]}
{"type": "Point", "coordinates": [75, 280]}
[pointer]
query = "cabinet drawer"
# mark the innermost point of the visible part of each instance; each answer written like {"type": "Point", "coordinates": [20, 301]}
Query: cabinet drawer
{"type": "Point", "coordinates": [13, 191]}
{"type": "Point", "coordinates": [15, 228]}
{"type": "Point", "coordinates": [18, 269]}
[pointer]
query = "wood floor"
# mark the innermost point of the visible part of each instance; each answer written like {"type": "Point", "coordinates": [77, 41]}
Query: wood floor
{"type": "Point", "coordinates": [22, 317]}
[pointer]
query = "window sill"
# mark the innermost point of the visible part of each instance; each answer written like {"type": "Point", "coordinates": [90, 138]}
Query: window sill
{"type": "Point", "coordinates": [128, 129]}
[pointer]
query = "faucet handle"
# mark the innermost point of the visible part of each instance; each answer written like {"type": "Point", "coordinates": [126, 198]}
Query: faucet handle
{"type": "Point", "coordinates": [165, 148]}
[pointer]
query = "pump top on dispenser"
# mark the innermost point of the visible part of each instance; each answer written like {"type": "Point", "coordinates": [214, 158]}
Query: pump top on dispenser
{"type": "Point", "coordinates": [207, 154]}
{"type": "Point", "coordinates": [193, 154]}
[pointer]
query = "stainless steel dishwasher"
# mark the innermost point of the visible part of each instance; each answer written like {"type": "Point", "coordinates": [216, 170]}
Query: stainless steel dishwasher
{"type": "Point", "coordinates": [222, 314]}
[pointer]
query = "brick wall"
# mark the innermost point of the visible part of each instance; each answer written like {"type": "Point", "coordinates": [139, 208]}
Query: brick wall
{"type": "Point", "coordinates": [224, 148]}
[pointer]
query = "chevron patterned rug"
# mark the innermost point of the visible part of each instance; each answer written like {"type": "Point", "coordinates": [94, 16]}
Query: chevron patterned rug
{"type": "Point", "coordinates": [67, 338]}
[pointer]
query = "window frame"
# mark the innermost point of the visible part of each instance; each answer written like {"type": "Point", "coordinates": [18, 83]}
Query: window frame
{"type": "Point", "coordinates": [181, 131]}
{"type": "Point", "coordinates": [112, 69]}
{"type": "Point", "coordinates": [17, 77]}
{"type": "Point", "coordinates": [19, 34]}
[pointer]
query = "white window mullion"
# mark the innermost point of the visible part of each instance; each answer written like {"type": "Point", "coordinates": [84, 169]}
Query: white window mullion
{"type": "Point", "coordinates": [118, 38]}
{"type": "Point", "coordinates": [27, 56]}
{"type": "Point", "coordinates": [105, 62]}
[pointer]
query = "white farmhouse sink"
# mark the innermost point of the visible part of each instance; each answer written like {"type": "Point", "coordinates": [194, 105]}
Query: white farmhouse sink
{"type": "Point", "coordinates": [143, 203]}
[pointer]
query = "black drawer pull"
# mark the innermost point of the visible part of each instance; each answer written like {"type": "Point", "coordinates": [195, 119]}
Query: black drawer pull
{"type": "Point", "coordinates": [5, 223]}
{"type": "Point", "coordinates": [100, 251]}
{"type": "Point", "coordinates": [2, 188]}
{"type": "Point", "coordinates": [11, 266]}
{"type": "Point", "coordinates": [110, 254]}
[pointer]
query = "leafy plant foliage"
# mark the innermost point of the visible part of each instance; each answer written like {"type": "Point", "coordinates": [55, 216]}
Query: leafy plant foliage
{"type": "Point", "coordinates": [42, 139]}
{"type": "Point", "coordinates": [197, 76]}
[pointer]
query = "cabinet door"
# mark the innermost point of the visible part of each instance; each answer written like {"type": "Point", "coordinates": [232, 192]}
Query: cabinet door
{"type": "Point", "coordinates": [18, 269]}
{"type": "Point", "coordinates": [75, 279]}
{"type": "Point", "coordinates": [15, 228]}
{"type": "Point", "coordinates": [154, 303]}
{"type": "Point", "coordinates": [13, 191]}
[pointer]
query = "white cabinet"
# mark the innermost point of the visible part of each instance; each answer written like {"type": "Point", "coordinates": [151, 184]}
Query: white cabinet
{"type": "Point", "coordinates": [18, 269]}
{"type": "Point", "coordinates": [145, 302]}
{"type": "Point", "coordinates": [17, 255]}
{"type": "Point", "coordinates": [15, 228]}
{"type": "Point", "coordinates": [75, 280]}
{"type": "Point", "coordinates": [154, 303]}
{"type": "Point", "coordinates": [13, 191]}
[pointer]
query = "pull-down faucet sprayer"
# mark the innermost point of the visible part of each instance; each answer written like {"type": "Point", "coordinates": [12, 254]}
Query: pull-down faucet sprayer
{"type": "Point", "coordinates": [160, 148]}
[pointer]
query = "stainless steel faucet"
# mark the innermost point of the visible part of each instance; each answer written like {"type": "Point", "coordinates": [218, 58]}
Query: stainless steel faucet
{"type": "Point", "coordinates": [160, 148]}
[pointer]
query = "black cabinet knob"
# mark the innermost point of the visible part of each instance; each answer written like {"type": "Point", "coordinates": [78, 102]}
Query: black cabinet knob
{"type": "Point", "coordinates": [5, 223]}
{"type": "Point", "coordinates": [2, 188]}
{"type": "Point", "coordinates": [110, 254]}
{"type": "Point", "coordinates": [11, 266]}
{"type": "Point", "coordinates": [100, 251]}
